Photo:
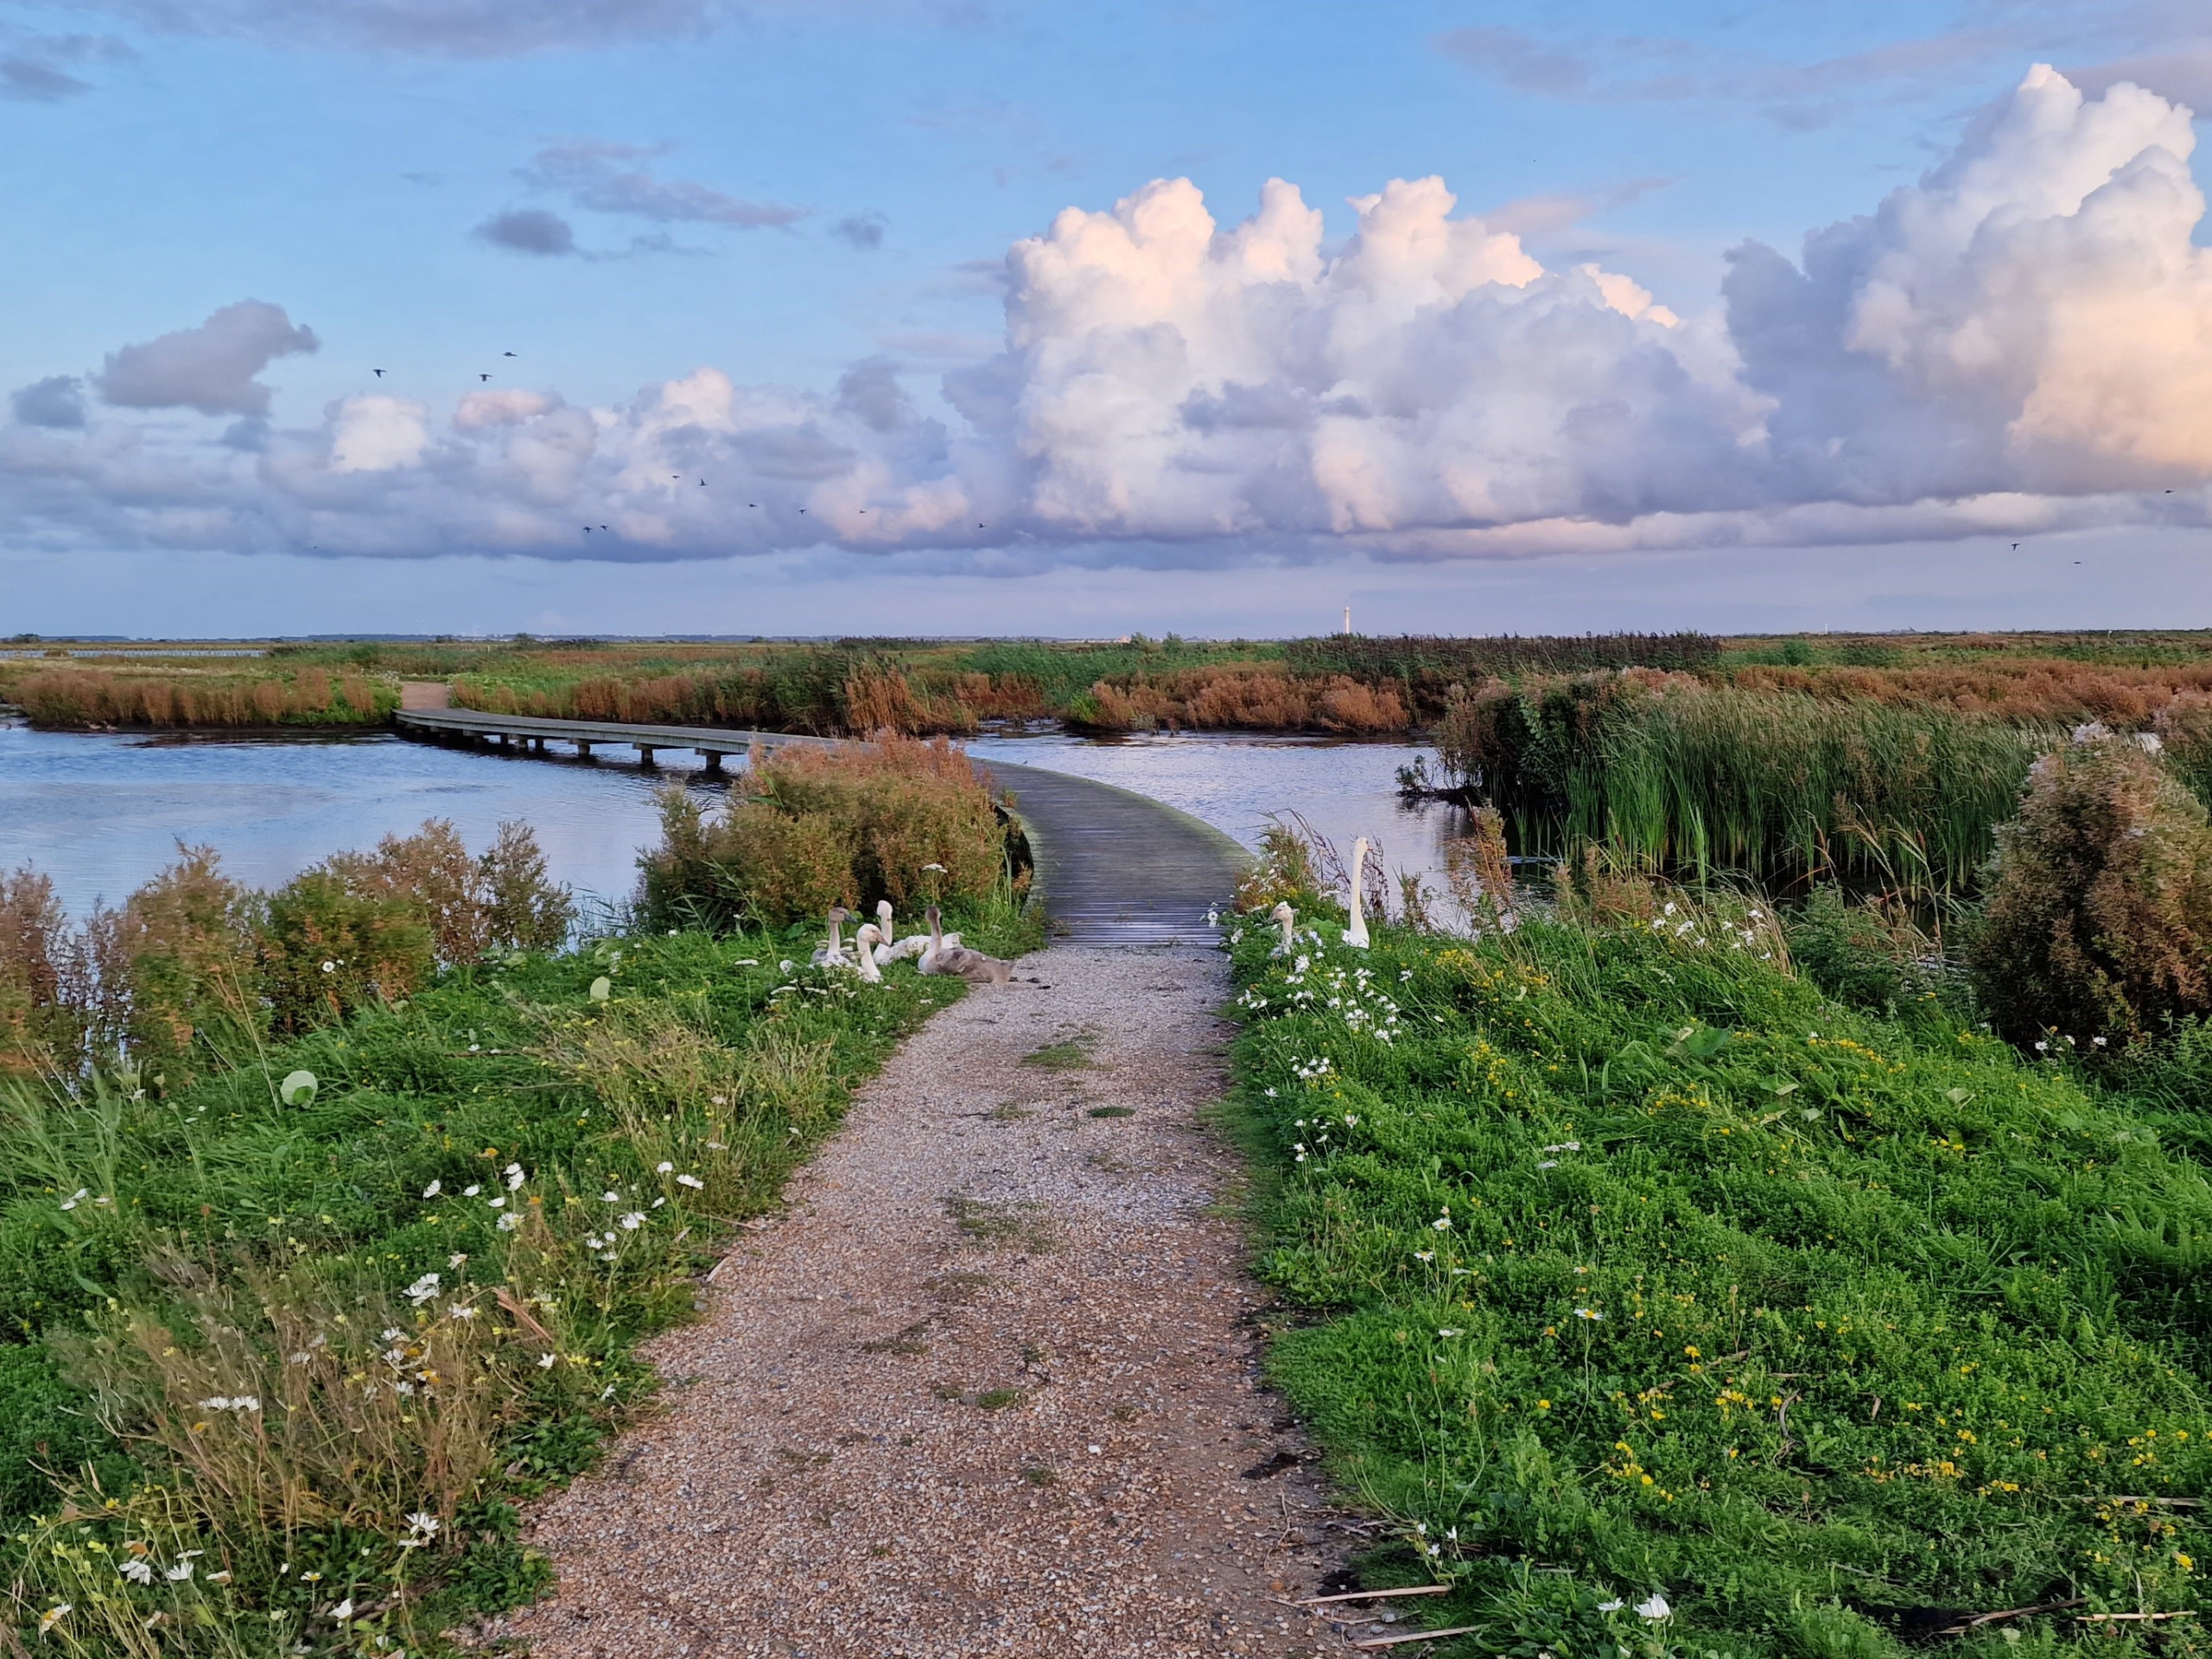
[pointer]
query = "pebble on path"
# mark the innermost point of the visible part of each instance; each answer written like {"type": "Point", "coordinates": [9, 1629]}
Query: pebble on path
{"type": "Point", "coordinates": [989, 1386]}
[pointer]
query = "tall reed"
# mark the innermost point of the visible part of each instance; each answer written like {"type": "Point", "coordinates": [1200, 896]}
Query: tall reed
{"type": "Point", "coordinates": [1677, 775]}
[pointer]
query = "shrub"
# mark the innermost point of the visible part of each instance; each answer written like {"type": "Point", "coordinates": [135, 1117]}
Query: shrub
{"type": "Point", "coordinates": [524, 908]}
{"type": "Point", "coordinates": [898, 819]}
{"type": "Point", "coordinates": [326, 951]}
{"type": "Point", "coordinates": [503, 899]}
{"type": "Point", "coordinates": [184, 945]}
{"type": "Point", "coordinates": [34, 948]}
{"type": "Point", "coordinates": [2184, 731]}
{"type": "Point", "coordinates": [2099, 917]}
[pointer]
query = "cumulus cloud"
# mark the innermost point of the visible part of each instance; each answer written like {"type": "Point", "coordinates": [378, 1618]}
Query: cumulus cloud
{"type": "Point", "coordinates": [616, 179]}
{"type": "Point", "coordinates": [210, 368]}
{"type": "Point", "coordinates": [56, 401]}
{"type": "Point", "coordinates": [529, 230]}
{"type": "Point", "coordinates": [2033, 316]}
{"type": "Point", "coordinates": [2022, 341]}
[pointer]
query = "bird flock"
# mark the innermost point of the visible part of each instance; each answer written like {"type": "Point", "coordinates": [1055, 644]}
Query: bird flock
{"type": "Point", "coordinates": [937, 952]}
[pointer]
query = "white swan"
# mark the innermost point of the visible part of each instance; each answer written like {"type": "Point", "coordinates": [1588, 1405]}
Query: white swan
{"type": "Point", "coordinates": [897, 950]}
{"type": "Point", "coordinates": [914, 946]}
{"type": "Point", "coordinates": [947, 955]}
{"type": "Point", "coordinates": [1284, 916]}
{"type": "Point", "coordinates": [1356, 929]}
{"type": "Point", "coordinates": [864, 952]}
{"type": "Point", "coordinates": [832, 955]}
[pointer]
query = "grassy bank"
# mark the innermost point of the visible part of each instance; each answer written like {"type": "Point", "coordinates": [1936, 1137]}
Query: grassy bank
{"type": "Point", "coordinates": [330, 1217]}
{"type": "Point", "coordinates": [1673, 1308]}
{"type": "Point", "coordinates": [341, 1328]}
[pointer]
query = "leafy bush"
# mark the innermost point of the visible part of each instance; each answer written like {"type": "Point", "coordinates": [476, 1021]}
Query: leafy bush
{"type": "Point", "coordinates": [503, 899]}
{"type": "Point", "coordinates": [184, 947]}
{"type": "Point", "coordinates": [194, 970]}
{"type": "Point", "coordinates": [2098, 923]}
{"type": "Point", "coordinates": [1633, 1265]}
{"type": "Point", "coordinates": [327, 951]}
{"type": "Point", "coordinates": [898, 819]}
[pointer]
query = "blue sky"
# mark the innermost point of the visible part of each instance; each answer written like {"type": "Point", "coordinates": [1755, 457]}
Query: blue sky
{"type": "Point", "coordinates": [624, 195]}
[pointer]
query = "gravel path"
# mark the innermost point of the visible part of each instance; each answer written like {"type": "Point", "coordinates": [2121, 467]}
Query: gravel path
{"type": "Point", "coordinates": [989, 1387]}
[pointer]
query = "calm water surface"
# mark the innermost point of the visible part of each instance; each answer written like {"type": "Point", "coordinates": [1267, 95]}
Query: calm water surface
{"type": "Point", "coordinates": [101, 814]}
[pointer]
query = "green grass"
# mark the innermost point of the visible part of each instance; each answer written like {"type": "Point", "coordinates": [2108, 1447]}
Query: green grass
{"type": "Point", "coordinates": [225, 1191]}
{"type": "Point", "coordinates": [1071, 1054]}
{"type": "Point", "coordinates": [1632, 1264]}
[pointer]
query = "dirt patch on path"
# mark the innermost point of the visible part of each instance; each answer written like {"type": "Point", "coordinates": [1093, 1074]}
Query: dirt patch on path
{"type": "Point", "coordinates": [988, 1387]}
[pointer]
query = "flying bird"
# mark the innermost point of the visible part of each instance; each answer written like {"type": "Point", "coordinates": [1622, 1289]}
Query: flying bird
{"type": "Point", "coordinates": [752, 503]}
{"type": "Point", "coordinates": [379, 375]}
{"type": "Point", "coordinates": [507, 354]}
{"type": "Point", "coordinates": [603, 526]}
{"type": "Point", "coordinates": [483, 377]}
{"type": "Point", "coordinates": [2016, 546]}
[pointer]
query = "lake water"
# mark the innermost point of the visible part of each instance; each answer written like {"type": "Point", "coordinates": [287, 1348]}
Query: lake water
{"type": "Point", "coordinates": [101, 814]}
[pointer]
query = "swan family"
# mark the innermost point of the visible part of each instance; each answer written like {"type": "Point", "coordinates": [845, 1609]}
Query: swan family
{"type": "Point", "coordinates": [874, 945]}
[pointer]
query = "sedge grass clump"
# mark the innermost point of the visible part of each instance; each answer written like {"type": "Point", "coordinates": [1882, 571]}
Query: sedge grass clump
{"type": "Point", "coordinates": [1765, 1327]}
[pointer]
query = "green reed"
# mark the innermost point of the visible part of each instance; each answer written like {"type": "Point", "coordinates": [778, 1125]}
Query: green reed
{"type": "Point", "coordinates": [1781, 786]}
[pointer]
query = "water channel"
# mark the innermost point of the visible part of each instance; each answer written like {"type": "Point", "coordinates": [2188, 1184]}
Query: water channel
{"type": "Point", "coordinates": [101, 814]}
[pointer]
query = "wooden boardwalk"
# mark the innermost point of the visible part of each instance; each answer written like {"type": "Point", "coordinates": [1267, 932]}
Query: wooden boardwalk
{"type": "Point", "coordinates": [1114, 867]}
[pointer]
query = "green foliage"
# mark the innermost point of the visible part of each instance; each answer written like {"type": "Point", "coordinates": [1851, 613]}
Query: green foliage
{"type": "Point", "coordinates": [1873, 956]}
{"type": "Point", "coordinates": [327, 952]}
{"type": "Point", "coordinates": [1635, 1264]}
{"type": "Point", "coordinates": [898, 819]}
{"type": "Point", "coordinates": [2098, 924]}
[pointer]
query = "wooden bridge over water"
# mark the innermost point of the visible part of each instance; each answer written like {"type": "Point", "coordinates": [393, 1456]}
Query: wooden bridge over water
{"type": "Point", "coordinates": [1114, 867]}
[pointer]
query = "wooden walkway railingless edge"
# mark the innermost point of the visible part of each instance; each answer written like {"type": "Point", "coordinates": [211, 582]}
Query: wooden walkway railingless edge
{"type": "Point", "coordinates": [1115, 867]}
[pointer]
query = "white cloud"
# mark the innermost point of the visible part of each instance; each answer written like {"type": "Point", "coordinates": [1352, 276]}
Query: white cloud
{"type": "Point", "coordinates": [2021, 341]}
{"type": "Point", "coordinates": [377, 433]}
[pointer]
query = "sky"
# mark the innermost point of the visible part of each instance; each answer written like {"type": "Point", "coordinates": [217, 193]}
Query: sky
{"type": "Point", "coordinates": [976, 316]}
